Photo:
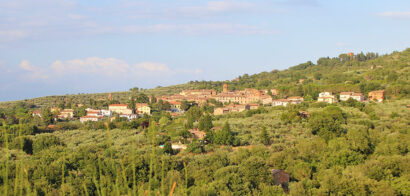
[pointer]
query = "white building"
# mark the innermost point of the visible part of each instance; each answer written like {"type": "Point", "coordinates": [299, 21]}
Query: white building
{"type": "Point", "coordinates": [129, 116]}
{"type": "Point", "coordinates": [120, 108]}
{"type": "Point", "coordinates": [295, 100]}
{"type": "Point", "coordinates": [106, 113]}
{"type": "Point", "coordinates": [280, 102]}
{"type": "Point", "coordinates": [344, 96]}
{"type": "Point", "coordinates": [327, 97]}
{"type": "Point", "coordinates": [90, 118]}
{"type": "Point", "coordinates": [142, 108]}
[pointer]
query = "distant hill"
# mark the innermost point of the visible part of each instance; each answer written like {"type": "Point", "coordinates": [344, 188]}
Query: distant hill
{"type": "Point", "coordinates": [347, 72]}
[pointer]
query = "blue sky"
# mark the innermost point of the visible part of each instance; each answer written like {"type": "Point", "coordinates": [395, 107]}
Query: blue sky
{"type": "Point", "coordinates": [54, 47]}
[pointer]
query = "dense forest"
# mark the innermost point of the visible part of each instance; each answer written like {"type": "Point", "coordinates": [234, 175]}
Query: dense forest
{"type": "Point", "coordinates": [346, 148]}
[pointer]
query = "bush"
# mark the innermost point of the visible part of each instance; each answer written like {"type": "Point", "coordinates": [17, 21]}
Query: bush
{"type": "Point", "coordinates": [44, 142]}
{"type": "Point", "coordinates": [327, 123]}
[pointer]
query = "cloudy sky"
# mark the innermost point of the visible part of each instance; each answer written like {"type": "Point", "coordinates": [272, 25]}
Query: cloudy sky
{"type": "Point", "coordinates": [51, 47]}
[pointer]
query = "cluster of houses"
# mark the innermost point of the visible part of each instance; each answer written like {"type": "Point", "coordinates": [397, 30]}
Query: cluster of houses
{"type": "Point", "coordinates": [95, 115]}
{"type": "Point", "coordinates": [246, 96]}
{"type": "Point", "coordinates": [242, 100]}
{"type": "Point", "coordinates": [122, 110]}
{"type": "Point", "coordinates": [329, 97]}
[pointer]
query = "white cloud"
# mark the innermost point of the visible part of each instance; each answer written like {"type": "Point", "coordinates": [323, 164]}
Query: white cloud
{"type": "Point", "coordinates": [101, 67]}
{"type": "Point", "coordinates": [152, 67]}
{"type": "Point", "coordinates": [91, 65]}
{"type": "Point", "coordinates": [395, 14]}
{"type": "Point", "coordinates": [199, 29]}
{"type": "Point", "coordinates": [33, 72]}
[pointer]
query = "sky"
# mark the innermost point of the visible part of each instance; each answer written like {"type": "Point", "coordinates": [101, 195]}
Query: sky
{"type": "Point", "coordinates": [58, 47]}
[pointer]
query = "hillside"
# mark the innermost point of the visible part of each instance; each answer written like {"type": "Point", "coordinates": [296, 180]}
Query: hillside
{"type": "Point", "coordinates": [351, 147]}
{"type": "Point", "coordinates": [360, 73]}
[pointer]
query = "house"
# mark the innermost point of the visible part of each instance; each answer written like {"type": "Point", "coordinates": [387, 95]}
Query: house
{"type": "Point", "coordinates": [142, 108]}
{"type": "Point", "coordinates": [66, 113]}
{"type": "Point", "coordinates": [376, 96]}
{"type": "Point", "coordinates": [129, 116]}
{"type": "Point", "coordinates": [120, 109]}
{"type": "Point", "coordinates": [36, 113]}
{"type": "Point", "coordinates": [197, 134]}
{"type": "Point", "coordinates": [175, 106]}
{"type": "Point", "coordinates": [280, 102]}
{"type": "Point", "coordinates": [282, 178]}
{"type": "Point", "coordinates": [266, 100]}
{"type": "Point", "coordinates": [274, 91]}
{"type": "Point", "coordinates": [90, 118]}
{"type": "Point", "coordinates": [295, 99]}
{"type": "Point", "coordinates": [327, 97]}
{"type": "Point", "coordinates": [304, 114]}
{"type": "Point", "coordinates": [176, 146]}
{"type": "Point", "coordinates": [253, 106]}
{"type": "Point", "coordinates": [344, 96]}
{"type": "Point", "coordinates": [106, 113]}
{"type": "Point", "coordinates": [94, 113]}
{"type": "Point", "coordinates": [239, 108]}
{"type": "Point", "coordinates": [220, 111]}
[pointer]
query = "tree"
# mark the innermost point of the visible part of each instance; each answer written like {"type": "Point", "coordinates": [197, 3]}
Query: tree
{"type": "Point", "coordinates": [327, 123]}
{"type": "Point", "coordinates": [168, 148]}
{"type": "Point", "coordinates": [185, 105]}
{"type": "Point", "coordinates": [163, 121]}
{"type": "Point", "coordinates": [205, 123]}
{"type": "Point", "coordinates": [195, 147]}
{"type": "Point", "coordinates": [131, 103]}
{"type": "Point", "coordinates": [78, 112]}
{"type": "Point", "coordinates": [224, 136]}
{"type": "Point", "coordinates": [264, 136]}
{"type": "Point", "coordinates": [47, 116]}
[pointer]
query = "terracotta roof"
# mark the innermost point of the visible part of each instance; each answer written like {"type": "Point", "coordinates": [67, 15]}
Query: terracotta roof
{"type": "Point", "coordinates": [117, 105]}
{"type": "Point", "coordinates": [90, 117]}
{"type": "Point", "coordinates": [174, 102]}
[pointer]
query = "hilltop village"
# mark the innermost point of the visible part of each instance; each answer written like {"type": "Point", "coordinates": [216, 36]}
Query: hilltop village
{"type": "Point", "coordinates": [222, 103]}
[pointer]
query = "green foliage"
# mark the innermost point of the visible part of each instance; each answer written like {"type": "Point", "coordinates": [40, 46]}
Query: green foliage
{"type": "Point", "coordinates": [195, 147]}
{"type": "Point", "coordinates": [44, 142]}
{"type": "Point", "coordinates": [47, 116]}
{"type": "Point", "coordinates": [328, 123]}
{"type": "Point", "coordinates": [223, 136]}
{"type": "Point", "coordinates": [205, 123]}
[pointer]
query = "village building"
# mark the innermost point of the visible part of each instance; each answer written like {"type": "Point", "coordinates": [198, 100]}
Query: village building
{"type": "Point", "coordinates": [120, 109]}
{"type": "Point", "coordinates": [266, 100]}
{"type": "Point", "coordinates": [36, 113]}
{"type": "Point", "coordinates": [295, 99]}
{"type": "Point", "coordinates": [344, 96]}
{"type": "Point", "coordinates": [94, 113]}
{"type": "Point", "coordinates": [129, 116]}
{"type": "Point", "coordinates": [203, 92]}
{"type": "Point", "coordinates": [66, 114]}
{"type": "Point", "coordinates": [274, 91]}
{"type": "Point", "coordinates": [142, 108]}
{"type": "Point", "coordinates": [220, 111]}
{"type": "Point", "coordinates": [106, 113]}
{"type": "Point", "coordinates": [176, 146]}
{"type": "Point", "coordinates": [239, 108]}
{"type": "Point", "coordinates": [253, 106]}
{"type": "Point", "coordinates": [327, 97]}
{"type": "Point", "coordinates": [90, 118]}
{"type": "Point", "coordinates": [197, 134]}
{"type": "Point", "coordinates": [280, 102]}
{"type": "Point", "coordinates": [377, 96]}
{"type": "Point", "coordinates": [175, 106]}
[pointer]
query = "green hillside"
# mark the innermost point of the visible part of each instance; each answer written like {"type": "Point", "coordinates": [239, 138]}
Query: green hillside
{"type": "Point", "coordinates": [360, 73]}
{"type": "Point", "coordinates": [345, 148]}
